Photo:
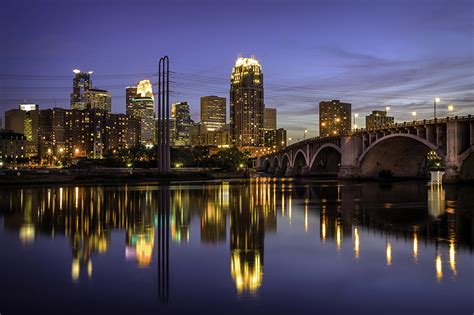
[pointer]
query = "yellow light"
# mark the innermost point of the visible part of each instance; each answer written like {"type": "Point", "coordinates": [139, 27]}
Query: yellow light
{"type": "Point", "coordinates": [437, 99]}
{"type": "Point", "coordinates": [334, 132]}
{"type": "Point", "coordinates": [450, 108]}
{"type": "Point", "coordinates": [388, 253]}
{"type": "Point", "coordinates": [387, 108]}
{"type": "Point", "coordinates": [338, 119]}
{"type": "Point", "coordinates": [439, 268]}
{"type": "Point", "coordinates": [356, 242]}
{"type": "Point", "coordinates": [323, 124]}
{"type": "Point", "coordinates": [452, 257]}
{"type": "Point", "coordinates": [413, 114]}
{"type": "Point", "coordinates": [356, 115]}
{"type": "Point", "coordinates": [338, 234]}
{"type": "Point", "coordinates": [415, 247]}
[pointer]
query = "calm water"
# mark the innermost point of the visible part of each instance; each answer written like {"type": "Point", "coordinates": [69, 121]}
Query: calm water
{"type": "Point", "coordinates": [284, 247]}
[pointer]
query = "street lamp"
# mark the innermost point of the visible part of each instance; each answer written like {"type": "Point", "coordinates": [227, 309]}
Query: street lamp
{"type": "Point", "coordinates": [289, 139]}
{"type": "Point", "coordinates": [305, 132]}
{"type": "Point", "coordinates": [355, 121]}
{"type": "Point", "coordinates": [387, 108]}
{"type": "Point", "coordinates": [414, 115]}
{"type": "Point", "coordinates": [450, 109]}
{"type": "Point", "coordinates": [436, 100]}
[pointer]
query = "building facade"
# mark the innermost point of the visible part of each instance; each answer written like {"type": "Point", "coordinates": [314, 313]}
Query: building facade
{"type": "Point", "coordinates": [12, 146]}
{"type": "Point", "coordinates": [269, 118]}
{"type": "Point", "coordinates": [140, 103]}
{"type": "Point", "coordinates": [81, 83]}
{"type": "Point", "coordinates": [181, 113]}
{"type": "Point", "coordinates": [213, 112]}
{"type": "Point", "coordinates": [378, 118]}
{"type": "Point", "coordinates": [246, 103]}
{"type": "Point", "coordinates": [201, 136]}
{"type": "Point", "coordinates": [334, 118]}
{"type": "Point", "coordinates": [98, 99]}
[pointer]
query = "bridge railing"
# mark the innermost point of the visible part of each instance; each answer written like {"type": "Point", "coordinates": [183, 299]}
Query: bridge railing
{"type": "Point", "coordinates": [415, 123]}
{"type": "Point", "coordinates": [383, 127]}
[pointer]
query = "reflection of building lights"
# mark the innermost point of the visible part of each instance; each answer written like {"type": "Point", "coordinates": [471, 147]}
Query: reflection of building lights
{"type": "Point", "coordinates": [246, 270]}
{"type": "Point", "coordinates": [75, 269]}
{"type": "Point", "coordinates": [89, 269]}
{"type": "Point", "coordinates": [415, 246]}
{"type": "Point", "coordinates": [27, 233]}
{"type": "Point", "coordinates": [439, 268]}
{"type": "Point", "coordinates": [356, 242]}
{"type": "Point", "coordinates": [452, 257]}
{"type": "Point", "coordinates": [338, 234]}
{"type": "Point", "coordinates": [388, 253]}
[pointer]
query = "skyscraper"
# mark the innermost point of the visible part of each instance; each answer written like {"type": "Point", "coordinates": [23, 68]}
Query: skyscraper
{"type": "Point", "coordinates": [181, 113]}
{"type": "Point", "coordinates": [246, 103]}
{"type": "Point", "coordinates": [80, 84]}
{"type": "Point", "coordinates": [98, 99]}
{"type": "Point", "coordinates": [334, 118]}
{"type": "Point", "coordinates": [140, 103]}
{"type": "Point", "coordinates": [270, 119]}
{"type": "Point", "coordinates": [213, 112]}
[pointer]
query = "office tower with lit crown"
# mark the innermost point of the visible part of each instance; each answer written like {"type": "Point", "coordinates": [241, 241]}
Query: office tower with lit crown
{"type": "Point", "coordinates": [80, 84]}
{"type": "Point", "coordinates": [140, 103]}
{"type": "Point", "coordinates": [181, 113]}
{"type": "Point", "coordinates": [334, 118]}
{"type": "Point", "coordinates": [246, 103]}
{"type": "Point", "coordinates": [378, 118]}
{"type": "Point", "coordinates": [213, 112]}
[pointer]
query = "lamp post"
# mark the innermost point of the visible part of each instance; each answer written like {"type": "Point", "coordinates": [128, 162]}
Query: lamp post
{"type": "Point", "coordinates": [450, 110]}
{"type": "Point", "coordinates": [305, 132]}
{"type": "Point", "coordinates": [414, 115]}
{"type": "Point", "coordinates": [355, 120]}
{"type": "Point", "coordinates": [436, 100]}
{"type": "Point", "coordinates": [289, 140]}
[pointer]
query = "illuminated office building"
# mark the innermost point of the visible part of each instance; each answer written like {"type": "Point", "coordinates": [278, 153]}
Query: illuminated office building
{"type": "Point", "coordinates": [213, 112]}
{"type": "Point", "coordinates": [246, 103]}
{"type": "Point", "coordinates": [80, 84]}
{"type": "Point", "coordinates": [181, 113]}
{"type": "Point", "coordinates": [334, 118]}
{"type": "Point", "coordinates": [269, 118]}
{"type": "Point", "coordinates": [140, 103]}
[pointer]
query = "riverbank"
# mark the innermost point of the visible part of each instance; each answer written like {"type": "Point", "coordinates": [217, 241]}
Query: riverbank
{"type": "Point", "coordinates": [110, 175]}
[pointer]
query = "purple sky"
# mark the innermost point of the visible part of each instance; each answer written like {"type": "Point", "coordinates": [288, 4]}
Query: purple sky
{"type": "Point", "coordinates": [369, 53]}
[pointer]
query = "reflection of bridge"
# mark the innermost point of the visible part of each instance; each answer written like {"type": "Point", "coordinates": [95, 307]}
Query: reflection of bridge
{"type": "Point", "coordinates": [401, 148]}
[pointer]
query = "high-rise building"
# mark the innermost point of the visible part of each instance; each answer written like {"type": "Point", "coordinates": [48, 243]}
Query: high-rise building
{"type": "Point", "coordinates": [334, 118]}
{"type": "Point", "coordinates": [270, 118]}
{"type": "Point", "coordinates": [213, 112]}
{"type": "Point", "coordinates": [140, 103]}
{"type": "Point", "coordinates": [80, 84]}
{"type": "Point", "coordinates": [12, 146]}
{"type": "Point", "coordinates": [246, 103]}
{"type": "Point", "coordinates": [281, 138]}
{"type": "Point", "coordinates": [25, 120]}
{"type": "Point", "coordinates": [123, 131]}
{"type": "Point", "coordinates": [378, 118]}
{"type": "Point", "coordinates": [52, 132]}
{"type": "Point", "coordinates": [98, 99]}
{"type": "Point", "coordinates": [201, 136]}
{"type": "Point", "coordinates": [181, 113]}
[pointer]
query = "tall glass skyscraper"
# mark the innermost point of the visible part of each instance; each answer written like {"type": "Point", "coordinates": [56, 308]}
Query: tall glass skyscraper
{"type": "Point", "coordinates": [80, 84]}
{"type": "Point", "coordinates": [246, 103]}
{"type": "Point", "coordinates": [140, 103]}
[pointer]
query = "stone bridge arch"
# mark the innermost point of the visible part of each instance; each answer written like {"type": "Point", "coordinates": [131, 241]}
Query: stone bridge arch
{"type": "Point", "coordinates": [402, 154]}
{"type": "Point", "coordinates": [326, 160]}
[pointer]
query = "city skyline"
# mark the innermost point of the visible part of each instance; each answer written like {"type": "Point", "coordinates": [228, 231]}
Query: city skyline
{"type": "Point", "coordinates": [319, 62]}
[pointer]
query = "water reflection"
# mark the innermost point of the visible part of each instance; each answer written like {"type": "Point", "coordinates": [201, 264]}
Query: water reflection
{"type": "Point", "coordinates": [151, 217]}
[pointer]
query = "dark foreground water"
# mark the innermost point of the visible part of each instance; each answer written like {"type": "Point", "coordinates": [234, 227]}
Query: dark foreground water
{"type": "Point", "coordinates": [257, 246]}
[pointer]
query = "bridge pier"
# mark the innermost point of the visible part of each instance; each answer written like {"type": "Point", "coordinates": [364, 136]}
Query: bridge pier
{"type": "Point", "coordinates": [351, 147]}
{"type": "Point", "coordinates": [305, 171]}
{"type": "Point", "coordinates": [289, 172]}
{"type": "Point", "coordinates": [278, 171]}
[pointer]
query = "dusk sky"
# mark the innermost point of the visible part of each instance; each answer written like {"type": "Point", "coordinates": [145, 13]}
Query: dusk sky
{"type": "Point", "coordinates": [368, 53]}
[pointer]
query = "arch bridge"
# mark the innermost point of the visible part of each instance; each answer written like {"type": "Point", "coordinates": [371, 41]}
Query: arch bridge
{"type": "Point", "coordinates": [399, 148]}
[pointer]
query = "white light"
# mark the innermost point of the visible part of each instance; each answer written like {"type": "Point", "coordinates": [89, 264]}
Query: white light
{"type": "Point", "coordinates": [387, 108]}
{"type": "Point", "coordinates": [76, 71]}
{"type": "Point", "coordinates": [437, 99]}
{"type": "Point", "coordinates": [91, 72]}
{"type": "Point", "coordinates": [356, 115]}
